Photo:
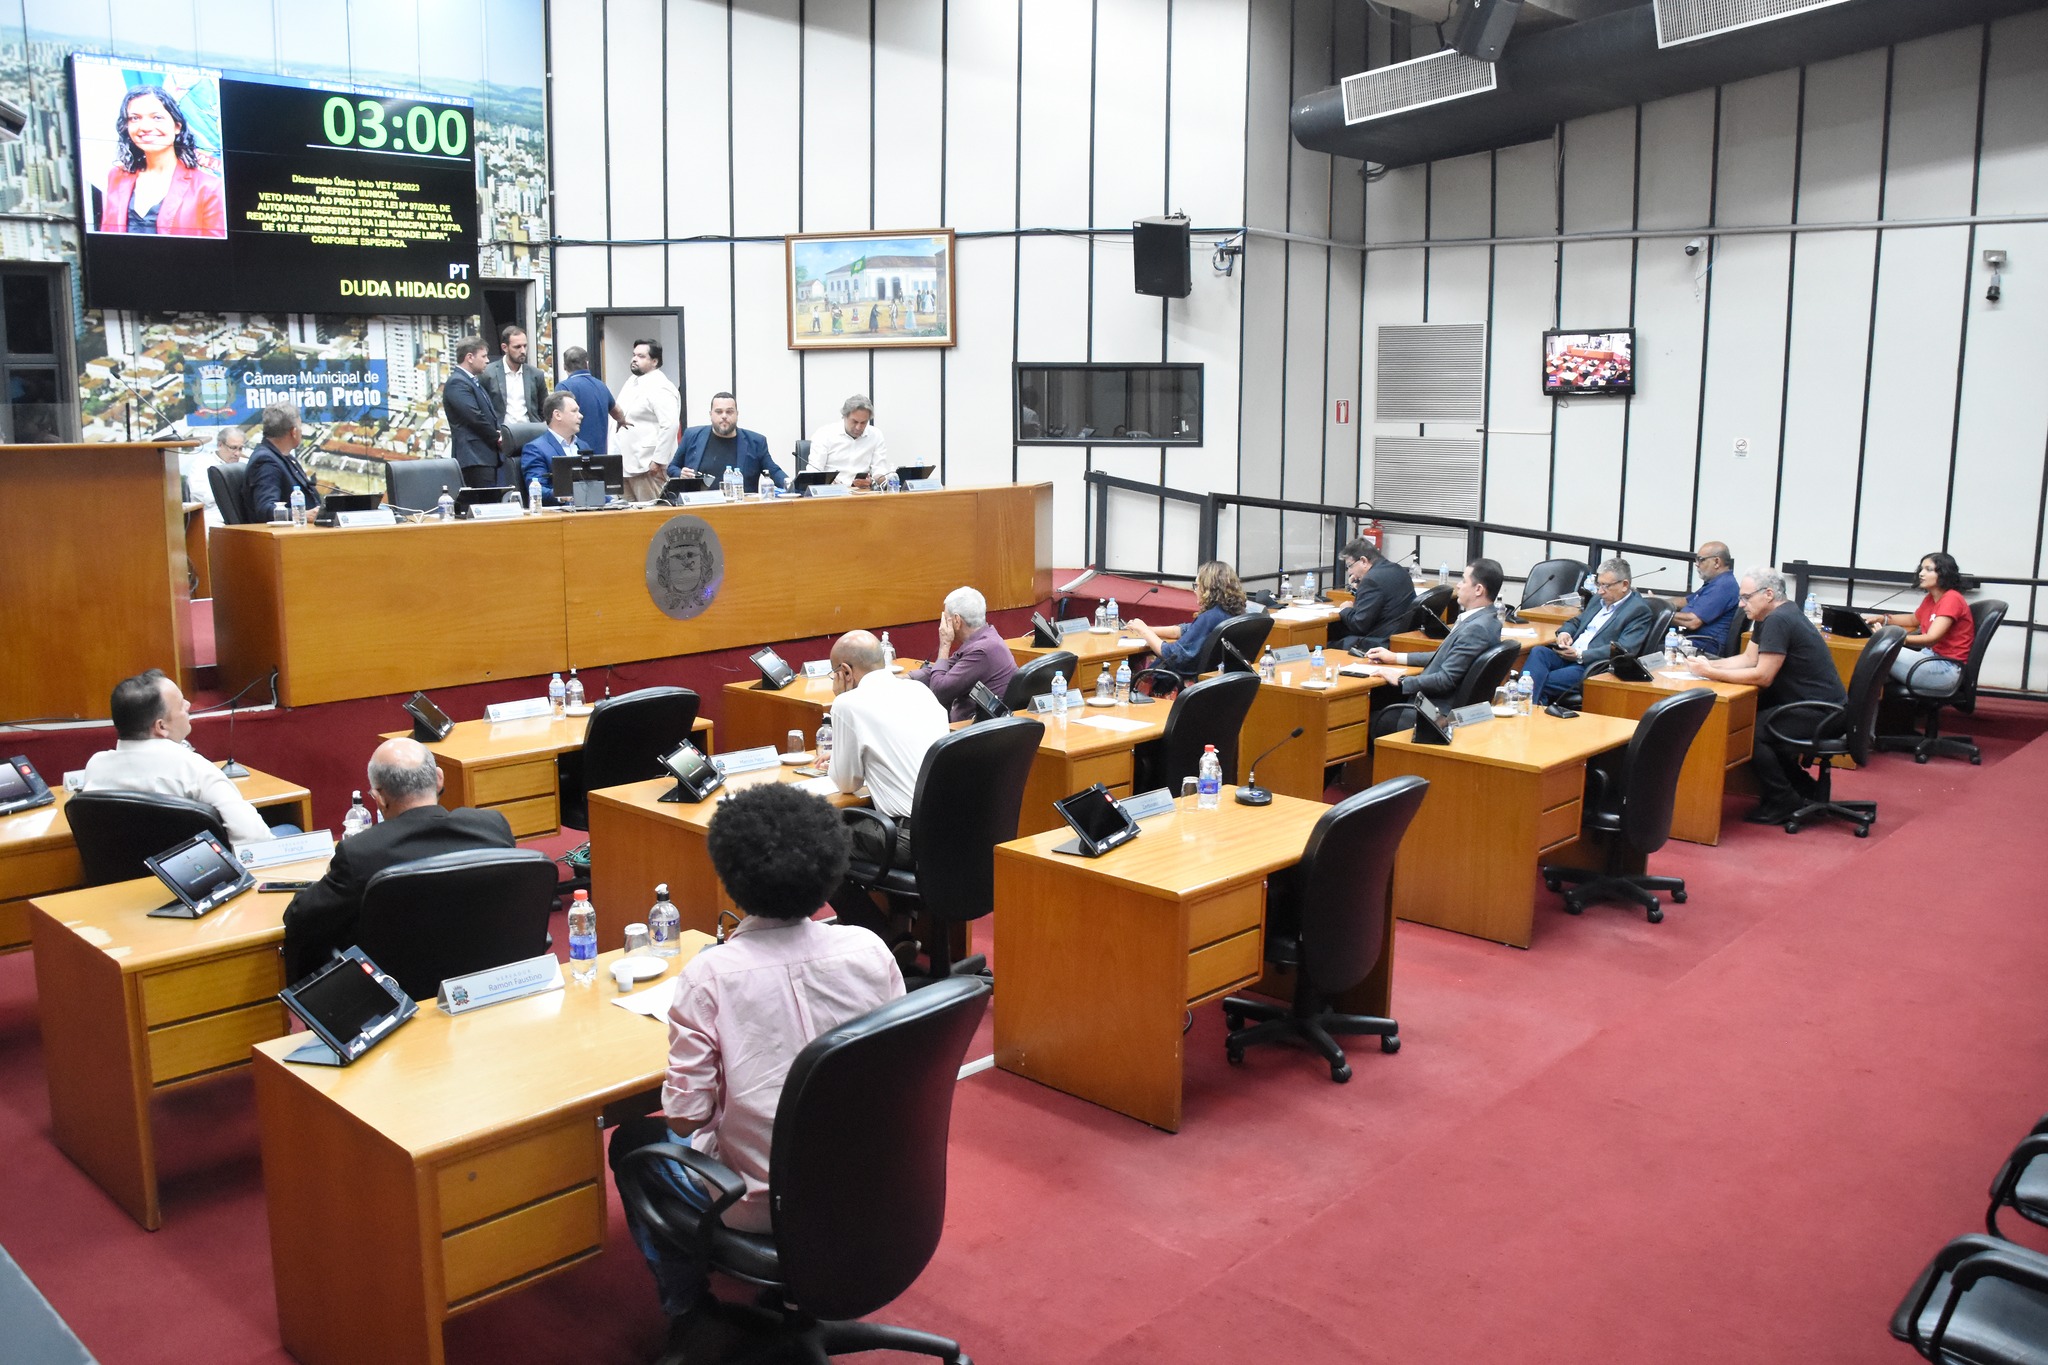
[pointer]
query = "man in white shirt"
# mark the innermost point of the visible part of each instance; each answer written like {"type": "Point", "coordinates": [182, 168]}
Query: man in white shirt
{"type": "Point", "coordinates": [652, 407]}
{"type": "Point", "coordinates": [856, 454]}
{"type": "Point", "coordinates": [228, 446]}
{"type": "Point", "coordinates": [151, 720]}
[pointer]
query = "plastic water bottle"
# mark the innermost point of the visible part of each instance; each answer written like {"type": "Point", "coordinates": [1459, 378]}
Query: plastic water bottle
{"type": "Point", "coordinates": [358, 818]}
{"type": "Point", "coordinates": [298, 507]}
{"type": "Point", "coordinates": [729, 483]}
{"type": "Point", "coordinates": [1813, 610]}
{"type": "Point", "coordinates": [1443, 572]}
{"type": "Point", "coordinates": [582, 939]}
{"type": "Point", "coordinates": [534, 498]}
{"type": "Point", "coordinates": [558, 695]}
{"type": "Point", "coordinates": [1102, 616]}
{"type": "Point", "coordinates": [1059, 695]}
{"type": "Point", "coordinates": [888, 652]}
{"type": "Point", "coordinates": [894, 484]}
{"type": "Point", "coordinates": [1113, 620]}
{"type": "Point", "coordinates": [1266, 666]}
{"type": "Point", "coordinates": [445, 508]}
{"type": "Point", "coordinates": [1308, 586]}
{"type": "Point", "coordinates": [573, 692]}
{"type": "Point", "coordinates": [280, 515]}
{"type": "Point", "coordinates": [1123, 680]}
{"type": "Point", "coordinates": [823, 758]}
{"type": "Point", "coordinates": [664, 924]}
{"type": "Point", "coordinates": [1318, 665]}
{"type": "Point", "coordinates": [1209, 779]}
{"type": "Point", "coordinates": [1671, 639]}
{"type": "Point", "coordinates": [1525, 693]}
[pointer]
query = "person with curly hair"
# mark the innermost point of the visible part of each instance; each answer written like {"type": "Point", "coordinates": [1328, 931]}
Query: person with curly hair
{"type": "Point", "coordinates": [1939, 632]}
{"type": "Point", "coordinates": [157, 186]}
{"type": "Point", "coordinates": [744, 1008]}
{"type": "Point", "coordinates": [1218, 597]}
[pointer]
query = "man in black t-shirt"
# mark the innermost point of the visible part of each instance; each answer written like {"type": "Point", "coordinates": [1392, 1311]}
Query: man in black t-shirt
{"type": "Point", "coordinates": [1789, 662]}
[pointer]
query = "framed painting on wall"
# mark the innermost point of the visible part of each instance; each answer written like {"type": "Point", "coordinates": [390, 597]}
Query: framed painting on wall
{"type": "Point", "coordinates": [869, 289]}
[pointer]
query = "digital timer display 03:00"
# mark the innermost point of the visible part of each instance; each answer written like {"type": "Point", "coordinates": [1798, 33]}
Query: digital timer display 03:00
{"type": "Point", "coordinates": [377, 126]}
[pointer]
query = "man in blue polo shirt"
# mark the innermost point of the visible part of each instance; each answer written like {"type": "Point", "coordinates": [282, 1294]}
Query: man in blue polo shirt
{"type": "Point", "coordinates": [1710, 611]}
{"type": "Point", "coordinates": [593, 398]}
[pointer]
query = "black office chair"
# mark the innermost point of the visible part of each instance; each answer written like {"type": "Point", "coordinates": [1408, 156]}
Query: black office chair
{"type": "Point", "coordinates": [115, 831]}
{"type": "Point", "coordinates": [1552, 580]}
{"type": "Point", "coordinates": [1980, 1301]}
{"type": "Point", "coordinates": [1662, 610]}
{"type": "Point", "coordinates": [1327, 921]}
{"type": "Point", "coordinates": [1487, 673]}
{"type": "Point", "coordinates": [415, 485]}
{"type": "Point", "coordinates": [856, 1178]}
{"type": "Point", "coordinates": [1630, 801]}
{"type": "Point", "coordinates": [625, 742]}
{"type": "Point", "coordinates": [1208, 712]}
{"type": "Point", "coordinates": [455, 913]}
{"type": "Point", "coordinates": [2022, 1182]}
{"type": "Point", "coordinates": [969, 791]}
{"type": "Point", "coordinates": [1822, 731]}
{"type": "Point", "coordinates": [1988, 615]}
{"type": "Point", "coordinates": [1035, 678]}
{"type": "Point", "coordinates": [230, 485]}
{"type": "Point", "coordinates": [1434, 612]}
{"type": "Point", "coordinates": [1246, 634]}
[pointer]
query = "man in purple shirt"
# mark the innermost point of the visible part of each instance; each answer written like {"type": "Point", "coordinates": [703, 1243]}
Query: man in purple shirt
{"type": "Point", "coordinates": [970, 651]}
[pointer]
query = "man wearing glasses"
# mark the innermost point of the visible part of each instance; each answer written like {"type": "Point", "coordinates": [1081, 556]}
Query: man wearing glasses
{"type": "Point", "coordinates": [1710, 611]}
{"type": "Point", "coordinates": [1616, 621]}
{"type": "Point", "coordinates": [1790, 662]}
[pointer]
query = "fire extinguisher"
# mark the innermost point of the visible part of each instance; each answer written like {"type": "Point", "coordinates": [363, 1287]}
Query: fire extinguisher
{"type": "Point", "coordinates": [1377, 534]}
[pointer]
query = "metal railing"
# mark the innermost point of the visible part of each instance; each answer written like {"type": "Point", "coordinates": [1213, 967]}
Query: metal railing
{"type": "Point", "coordinates": [1805, 574]}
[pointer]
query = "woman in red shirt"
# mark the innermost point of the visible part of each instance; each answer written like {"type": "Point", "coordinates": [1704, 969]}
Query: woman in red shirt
{"type": "Point", "coordinates": [1940, 631]}
{"type": "Point", "coordinates": [158, 186]}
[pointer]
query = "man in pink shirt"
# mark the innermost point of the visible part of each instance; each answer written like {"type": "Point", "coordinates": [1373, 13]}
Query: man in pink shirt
{"type": "Point", "coordinates": [744, 1008]}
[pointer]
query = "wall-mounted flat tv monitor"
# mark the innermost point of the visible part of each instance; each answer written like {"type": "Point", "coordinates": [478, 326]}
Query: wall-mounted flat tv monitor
{"type": "Point", "coordinates": [1589, 362]}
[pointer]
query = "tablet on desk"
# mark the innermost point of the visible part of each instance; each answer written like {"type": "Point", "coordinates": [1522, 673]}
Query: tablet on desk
{"type": "Point", "coordinates": [21, 786]}
{"type": "Point", "coordinates": [349, 1005]}
{"type": "Point", "coordinates": [202, 873]}
{"type": "Point", "coordinates": [1098, 822]}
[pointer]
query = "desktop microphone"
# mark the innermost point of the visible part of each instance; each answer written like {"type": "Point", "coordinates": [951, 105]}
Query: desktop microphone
{"type": "Point", "coordinates": [1251, 793]}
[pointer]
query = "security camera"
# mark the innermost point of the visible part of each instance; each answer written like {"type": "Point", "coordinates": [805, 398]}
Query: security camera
{"type": "Point", "coordinates": [1695, 246]}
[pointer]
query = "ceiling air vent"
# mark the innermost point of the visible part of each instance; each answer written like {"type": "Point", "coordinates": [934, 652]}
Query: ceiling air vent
{"type": "Point", "coordinates": [1396, 89]}
{"type": "Point", "coordinates": [1688, 21]}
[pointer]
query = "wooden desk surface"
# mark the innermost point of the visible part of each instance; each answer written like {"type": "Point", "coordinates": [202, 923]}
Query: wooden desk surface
{"type": "Point", "coordinates": [1528, 635]}
{"type": "Point", "coordinates": [1085, 645]}
{"type": "Point", "coordinates": [1190, 852]}
{"type": "Point", "coordinates": [114, 920]}
{"type": "Point", "coordinates": [1534, 743]}
{"type": "Point", "coordinates": [509, 741]}
{"type": "Point", "coordinates": [1724, 742]}
{"type": "Point", "coordinates": [1335, 721]}
{"type": "Point", "coordinates": [1555, 616]}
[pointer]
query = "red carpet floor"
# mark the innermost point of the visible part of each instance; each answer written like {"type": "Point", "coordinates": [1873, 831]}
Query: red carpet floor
{"type": "Point", "coordinates": [1734, 1135]}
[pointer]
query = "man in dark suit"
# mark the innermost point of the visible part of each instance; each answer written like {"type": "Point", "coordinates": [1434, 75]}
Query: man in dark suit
{"type": "Point", "coordinates": [1615, 622]}
{"type": "Point", "coordinates": [406, 784]}
{"type": "Point", "coordinates": [473, 426]}
{"type": "Point", "coordinates": [516, 387]}
{"type": "Point", "coordinates": [709, 451]}
{"type": "Point", "coordinates": [1382, 598]}
{"type": "Point", "coordinates": [274, 468]}
{"type": "Point", "coordinates": [1476, 630]}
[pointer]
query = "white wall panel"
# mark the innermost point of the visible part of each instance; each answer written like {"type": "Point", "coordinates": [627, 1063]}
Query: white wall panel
{"type": "Point", "coordinates": [2015, 158]}
{"type": "Point", "coordinates": [1204, 327]}
{"type": "Point", "coordinates": [1931, 161]}
{"type": "Point", "coordinates": [1843, 140]}
{"type": "Point", "coordinates": [1743, 395]}
{"type": "Point", "coordinates": [1310, 173]}
{"type": "Point", "coordinates": [979, 434]}
{"type": "Point", "coordinates": [1824, 381]}
{"type": "Point", "coordinates": [637, 273]}
{"type": "Point", "coordinates": [764, 377]}
{"type": "Point", "coordinates": [1759, 144]}
{"type": "Point", "coordinates": [1677, 174]}
{"type": "Point", "coordinates": [1599, 173]}
{"type": "Point", "coordinates": [907, 388]}
{"type": "Point", "coordinates": [699, 170]}
{"type": "Point", "coordinates": [1307, 341]}
{"type": "Point", "coordinates": [829, 379]}
{"type": "Point", "coordinates": [1597, 281]}
{"type": "Point", "coordinates": [2004, 427]}
{"type": "Point", "coordinates": [1663, 419]}
{"type": "Point", "coordinates": [1525, 189]}
{"type": "Point", "coordinates": [700, 283]}
{"type": "Point", "coordinates": [1052, 165]}
{"type": "Point", "coordinates": [1052, 307]}
{"type": "Point", "coordinates": [1519, 415]}
{"type": "Point", "coordinates": [981, 115]}
{"type": "Point", "coordinates": [576, 126]}
{"type": "Point", "coordinates": [1126, 323]}
{"type": "Point", "coordinates": [765, 52]}
{"type": "Point", "coordinates": [836, 119]}
{"type": "Point", "coordinates": [580, 278]}
{"type": "Point", "coordinates": [1130, 109]}
{"type": "Point", "coordinates": [1269, 89]}
{"type": "Point", "coordinates": [909, 112]}
{"type": "Point", "coordinates": [634, 63]}
{"type": "Point", "coordinates": [1207, 117]}
{"type": "Point", "coordinates": [1341, 439]}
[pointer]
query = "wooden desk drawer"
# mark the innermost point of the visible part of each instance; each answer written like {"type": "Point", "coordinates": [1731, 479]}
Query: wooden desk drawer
{"type": "Point", "coordinates": [495, 786]}
{"type": "Point", "coordinates": [208, 1044]}
{"type": "Point", "coordinates": [1220, 966]}
{"type": "Point", "coordinates": [1349, 742]}
{"type": "Point", "coordinates": [1111, 770]}
{"type": "Point", "coordinates": [38, 874]}
{"type": "Point", "coordinates": [1740, 744]}
{"type": "Point", "coordinates": [13, 925]}
{"type": "Point", "coordinates": [488, 1255]}
{"type": "Point", "coordinates": [1559, 785]}
{"type": "Point", "coordinates": [208, 987]}
{"type": "Point", "coordinates": [1558, 825]}
{"type": "Point", "coordinates": [1349, 711]}
{"type": "Point", "coordinates": [535, 816]}
{"type": "Point", "coordinates": [487, 1183]}
{"type": "Point", "coordinates": [1220, 917]}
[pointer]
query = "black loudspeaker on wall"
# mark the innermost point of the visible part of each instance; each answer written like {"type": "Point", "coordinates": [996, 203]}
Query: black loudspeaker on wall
{"type": "Point", "coordinates": [1159, 256]}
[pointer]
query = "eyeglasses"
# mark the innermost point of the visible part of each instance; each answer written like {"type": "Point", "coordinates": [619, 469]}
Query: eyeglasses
{"type": "Point", "coordinates": [1609, 583]}
{"type": "Point", "coordinates": [1753, 592]}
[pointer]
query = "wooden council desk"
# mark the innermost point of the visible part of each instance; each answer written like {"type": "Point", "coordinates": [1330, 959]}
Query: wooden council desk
{"type": "Point", "coordinates": [1529, 636]}
{"type": "Point", "coordinates": [1300, 624]}
{"type": "Point", "coordinates": [1503, 795]}
{"type": "Point", "coordinates": [38, 857]}
{"type": "Point", "coordinates": [195, 549]}
{"type": "Point", "coordinates": [1336, 722]}
{"type": "Point", "coordinates": [1102, 958]}
{"type": "Point", "coordinates": [1090, 651]}
{"type": "Point", "coordinates": [132, 1005]}
{"type": "Point", "coordinates": [323, 605]}
{"type": "Point", "coordinates": [509, 766]}
{"type": "Point", "coordinates": [1722, 745]}
{"type": "Point", "coordinates": [459, 1160]}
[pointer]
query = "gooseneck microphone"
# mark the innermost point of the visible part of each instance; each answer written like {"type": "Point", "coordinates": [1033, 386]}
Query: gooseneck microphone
{"type": "Point", "coordinates": [232, 769]}
{"type": "Point", "coordinates": [1251, 793]}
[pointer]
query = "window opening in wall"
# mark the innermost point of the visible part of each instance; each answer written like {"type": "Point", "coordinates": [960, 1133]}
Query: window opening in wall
{"type": "Point", "coordinates": [1104, 404]}
{"type": "Point", "coordinates": [34, 378]}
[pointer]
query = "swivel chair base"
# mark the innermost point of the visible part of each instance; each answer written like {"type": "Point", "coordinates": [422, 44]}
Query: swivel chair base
{"type": "Point", "coordinates": [1933, 742]}
{"type": "Point", "coordinates": [1281, 1022]}
{"type": "Point", "coordinates": [778, 1335]}
{"type": "Point", "coordinates": [1590, 886]}
{"type": "Point", "coordinates": [1862, 814]}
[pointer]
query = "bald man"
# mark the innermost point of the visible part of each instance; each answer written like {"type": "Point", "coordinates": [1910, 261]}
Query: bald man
{"type": "Point", "coordinates": [405, 782]}
{"type": "Point", "coordinates": [1709, 614]}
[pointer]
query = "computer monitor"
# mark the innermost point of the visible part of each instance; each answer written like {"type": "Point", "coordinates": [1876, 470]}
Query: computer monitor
{"type": "Point", "coordinates": [577, 477]}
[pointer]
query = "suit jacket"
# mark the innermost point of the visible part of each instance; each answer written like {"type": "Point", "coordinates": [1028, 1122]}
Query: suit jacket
{"type": "Point", "coordinates": [1472, 634]}
{"type": "Point", "coordinates": [192, 206]}
{"type": "Point", "coordinates": [537, 461]}
{"type": "Point", "coordinates": [321, 920]}
{"type": "Point", "coordinates": [1625, 631]}
{"type": "Point", "coordinates": [472, 421]}
{"type": "Point", "coordinates": [754, 461]}
{"type": "Point", "coordinates": [272, 476]}
{"type": "Point", "coordinates": [1380, 605]}
{"type": "Point", "coordinates": [530, 378]}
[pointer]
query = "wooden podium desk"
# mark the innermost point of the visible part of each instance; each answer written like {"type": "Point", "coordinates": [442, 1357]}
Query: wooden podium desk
{"type": "Point", "coordinates": [756, 715]}
{"type": "Point", "coordinates": [195, 549]}
{"type": "Point", "coordinates": [637, 841]}
{"type": "Point", "coordinates": [459, 1160]}
{"type": "Point", "coordinates": [1090, 651]}
{"type": "Point", "coordinates": [509, 766]}
{"type": "Point", "coordinates": [1722, 745]}
{"type": "Point", "coordinates": [1103, 957]}
{"type": "Point", "coordinates": [1336, 722]}
{"type": "Point", "coordinates": [1528, 636]}
{"type": "Point", "coordinates": [324, 605]}
{"type": "Point", "coordinates": [1502, 796]}
{"type": "Point", "coordinates": [38, 857]}
{"type": "Point", "coordinates": [132, 1005]}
